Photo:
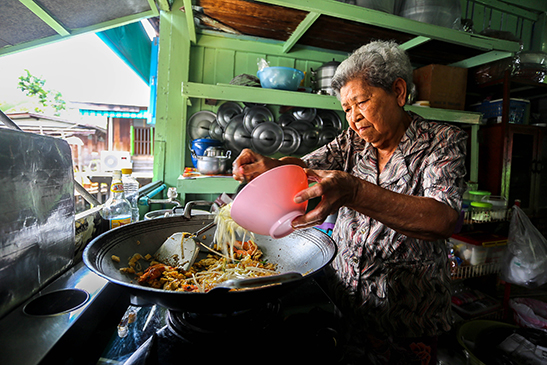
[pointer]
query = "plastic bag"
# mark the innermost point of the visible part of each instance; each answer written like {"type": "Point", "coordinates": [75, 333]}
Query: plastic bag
{"type": "Point", "coordinates": [262, 64]}
{"type": "Point", "coordinates": [529, 313]}
{"type": "Point", "coordinates": [525, 260]}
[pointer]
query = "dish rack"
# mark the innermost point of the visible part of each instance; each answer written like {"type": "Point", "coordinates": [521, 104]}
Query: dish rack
{"type": "Point", "coordinates": [472, 271]}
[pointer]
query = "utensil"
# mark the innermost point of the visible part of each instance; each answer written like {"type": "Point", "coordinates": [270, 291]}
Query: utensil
{"type": "Point", "coordinates": [267, 138]}
{"type": "Point", "coordinates": [199, 146]}
{"type": "Point", "coordinates": [229, 133]}
{"type": "Point", "coordinates": [307, 114]}
{"type": "Point", "coordinates": [310, 139]}
{"type": "Point", "coordinates": [242, 138]}
{"type": "Point", "coordinates": [227, 111]}
{"type": "Point", "coordinates": [291, 141]}
{"type": "Point", "coordinates": [216, 131]}
{"type": "Point", "coordinates": [256, 282]}
{"type": "Point", "coordinates": [199, 124]}
{"type": "Point", "coordinates": [305, 251]}
{"type": "Point", "coordinates": [212, 165]}
{"type": "Point", "coordinates": [180, 249]}
{"type": "Point", "coordinates": [285, 119]}
{"type": "Point", "coordinates": [284, 78]}
{"type": "Point", "coordinates": [330, 119]}
{"type": "Point", "coordinates": [326, 135]}
{"type": "Point", "coordinates": [271, 194]}
{"type": "Point", "coordinates": [255, 116]}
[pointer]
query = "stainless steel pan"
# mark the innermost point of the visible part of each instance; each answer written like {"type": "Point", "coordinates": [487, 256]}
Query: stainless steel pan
{"type": "Point", "coordinates": [304, 251]}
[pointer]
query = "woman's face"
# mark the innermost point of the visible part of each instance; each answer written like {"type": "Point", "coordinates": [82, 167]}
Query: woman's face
{"type": "Point", "coordinates": [376, 115]}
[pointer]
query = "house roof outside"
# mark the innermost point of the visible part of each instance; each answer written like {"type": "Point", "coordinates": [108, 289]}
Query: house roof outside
{"type": "Point", "coordinates": [112, 110]}
{"type": "Point", "coordinates": [51, 125]}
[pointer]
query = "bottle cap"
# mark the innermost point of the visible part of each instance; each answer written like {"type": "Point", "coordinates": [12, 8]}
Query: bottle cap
{"type": "Point", "coordinates": [127, 170]}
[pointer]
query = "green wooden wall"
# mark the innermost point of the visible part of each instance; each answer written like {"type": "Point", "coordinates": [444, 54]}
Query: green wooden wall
{"type": "Point", "coordinates": [213, 59]}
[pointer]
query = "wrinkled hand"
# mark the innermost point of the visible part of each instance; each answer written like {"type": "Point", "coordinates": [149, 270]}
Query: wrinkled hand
{"type": "Point", "coordinates": [250, 164]}
{"type": "Point", "coordinates": [336, 189]}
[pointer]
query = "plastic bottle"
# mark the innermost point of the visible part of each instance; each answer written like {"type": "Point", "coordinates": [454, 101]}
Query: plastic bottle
{"type": "Point", "coordinates": [131, 189]}
{"type": "Point", "coordinates": [116, 210]}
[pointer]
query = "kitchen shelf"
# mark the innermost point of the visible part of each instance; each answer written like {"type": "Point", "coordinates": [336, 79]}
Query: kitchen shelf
{"type": "Point", "coordinates": [248, 94]}
{"type": "Point", "coordinates": [259, 95]}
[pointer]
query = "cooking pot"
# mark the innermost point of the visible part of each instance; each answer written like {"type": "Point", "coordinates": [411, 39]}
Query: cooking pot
{"type": "Point", "coordinates": [214, 151]}
{"type": "Point", "coordinates": [321, 78]}
{"type": "Point", "coordinates": [200, 145]}
{"type": "Point", "coordinates": [305, 251]}
{"type": "Point", "coordinates": [179, 210]}
{"type": "Point", "coordinates": [212, 165]}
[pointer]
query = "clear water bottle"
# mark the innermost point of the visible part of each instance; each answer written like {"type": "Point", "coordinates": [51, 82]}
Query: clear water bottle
{"type": "Point", "coordinates": [116, 210]}
{"type": "Point", "coordinates": [131, 189]}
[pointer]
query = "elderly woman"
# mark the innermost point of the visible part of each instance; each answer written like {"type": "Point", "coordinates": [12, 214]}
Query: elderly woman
{"type": "Point", "coordinates": [395, 181]}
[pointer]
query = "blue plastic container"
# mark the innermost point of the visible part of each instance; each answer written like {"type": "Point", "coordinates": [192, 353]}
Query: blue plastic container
{"type": "Point", "coordinates": [283, 78]}
{"type": "Point", "coordinates": [200, 145]}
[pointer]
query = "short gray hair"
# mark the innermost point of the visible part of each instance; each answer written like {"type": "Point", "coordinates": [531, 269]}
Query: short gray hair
{"type": "Point", "coordinates": [380, 63]}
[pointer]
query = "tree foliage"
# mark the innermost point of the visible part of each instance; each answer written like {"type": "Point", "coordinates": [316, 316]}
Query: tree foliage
{"type": "Point", "coordinates": [33, 86]}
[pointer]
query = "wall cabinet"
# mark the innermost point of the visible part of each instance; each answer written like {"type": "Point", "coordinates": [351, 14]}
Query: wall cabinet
{"type": "Point", "coordinates": [512, 157]}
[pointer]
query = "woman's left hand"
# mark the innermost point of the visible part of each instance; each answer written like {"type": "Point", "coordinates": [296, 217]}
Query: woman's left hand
{"type": "Point", "coordinates": [336, 189]}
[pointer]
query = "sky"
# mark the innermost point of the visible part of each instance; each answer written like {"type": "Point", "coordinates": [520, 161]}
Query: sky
{"type": "Point", "coordinates": [82, 68]}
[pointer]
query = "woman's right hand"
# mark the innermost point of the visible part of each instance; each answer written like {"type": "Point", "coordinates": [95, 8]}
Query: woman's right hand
{"type": "Point", "coordinates": [250, 164]}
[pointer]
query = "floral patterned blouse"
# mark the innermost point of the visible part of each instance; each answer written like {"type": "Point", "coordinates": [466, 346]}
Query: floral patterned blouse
{"type": "Point", "coordinates": [397, 285]}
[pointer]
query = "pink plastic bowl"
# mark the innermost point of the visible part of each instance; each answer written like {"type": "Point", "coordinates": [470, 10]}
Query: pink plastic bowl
{"type": "Point", "coordinates": [266, 207]}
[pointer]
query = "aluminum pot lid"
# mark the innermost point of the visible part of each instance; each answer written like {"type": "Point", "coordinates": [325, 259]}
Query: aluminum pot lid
{"type": "Point", "coordinates": [326, 135]}
{"type": "Point", "coordinates": [330, 119]}
{"type": "Point", "coordinates": [267, 138]}
{"type": "Point", "coordinates": [317, 122]}
{"type": "Point", "coordinates": [199, 124]}
{"type": "Point", "coordinates": [256, 115]}
{"type": "Point", "coordinates": [310, 138]}
{"type": "Point", "coordinates": [291, 141]}
{"type": "Point", "coordinates": [214, 151]}
{"type": "Point", "coordinates": [227, 111]}
{"type": "Point", "coordinates": [216, 131]}
{"type": "Point", "coordinates": [285, 119]}
{"type": "Point", "coordinates": [230, 130]}
{"type": "Point", "coordinates": [242, 138]}
{"type": "Point", "coordinates": [302, 125]}
{"type": "Point", "coordinates": [304, 113]}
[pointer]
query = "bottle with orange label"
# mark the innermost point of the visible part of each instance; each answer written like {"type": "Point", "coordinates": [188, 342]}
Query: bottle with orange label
{"type": "Point", "coordinates": [116, 210]}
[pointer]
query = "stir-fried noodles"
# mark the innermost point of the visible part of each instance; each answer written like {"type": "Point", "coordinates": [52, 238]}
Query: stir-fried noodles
{"type": "Point", "coordinates": [240, 259]}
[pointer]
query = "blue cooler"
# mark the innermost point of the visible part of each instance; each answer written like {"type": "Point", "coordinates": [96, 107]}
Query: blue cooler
{"type": "Point", "coordinates": [200, 145]}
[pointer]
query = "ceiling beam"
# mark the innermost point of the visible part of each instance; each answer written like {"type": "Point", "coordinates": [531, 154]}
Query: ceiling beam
{"type": "Point", "coordinates": [300, 30]}
{"type": "Point", "coordinates": [46, 18]}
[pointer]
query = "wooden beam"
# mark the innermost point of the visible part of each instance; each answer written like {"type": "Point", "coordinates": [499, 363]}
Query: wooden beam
{"type": "Point", "coordinates": [414, 42]}
{"type": "Point", "coordinates": [46, 18]}
{"type": "Point", "coordinates": [300, 30]}
{"type": "Point", "coordinates": [187, 9]}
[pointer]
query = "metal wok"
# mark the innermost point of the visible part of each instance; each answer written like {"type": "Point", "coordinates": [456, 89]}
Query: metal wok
{"type": "Point", "coordinates": [305, 251]}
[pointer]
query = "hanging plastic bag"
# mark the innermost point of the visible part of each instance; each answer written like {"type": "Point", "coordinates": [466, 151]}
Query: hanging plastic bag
{"type": "Point", "coordinates": [525, 260]}
{"type": "Point", "coordinates": [529, 312]}
{"type": "Point", "coordinates": [262, 64]}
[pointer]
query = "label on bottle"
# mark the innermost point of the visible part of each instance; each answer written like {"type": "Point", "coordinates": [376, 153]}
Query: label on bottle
{"type": "Point", "coordinates": [117, 187]}
{"type": "Point", "coordinates": [116, 222]}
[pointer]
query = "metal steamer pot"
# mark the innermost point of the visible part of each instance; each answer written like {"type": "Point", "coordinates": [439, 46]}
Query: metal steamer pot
{"type": "Point", "coordinates": [304, 251]}
{"type": "Point", "coordinates": [321, 78]}
{"type": "Point", "coordinates": [215, 161]}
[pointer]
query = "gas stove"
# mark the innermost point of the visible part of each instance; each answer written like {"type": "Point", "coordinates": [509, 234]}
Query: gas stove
{"type": "Point", "coordinates": [301, 326]}
{"type": "Point", "coordinates": [81, 318]}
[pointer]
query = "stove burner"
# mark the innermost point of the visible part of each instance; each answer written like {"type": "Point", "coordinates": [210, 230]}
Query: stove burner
{"type": "Point", "coordinates": [56, 302]}
{"type": "Point", "coordinates": [197, 327]}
